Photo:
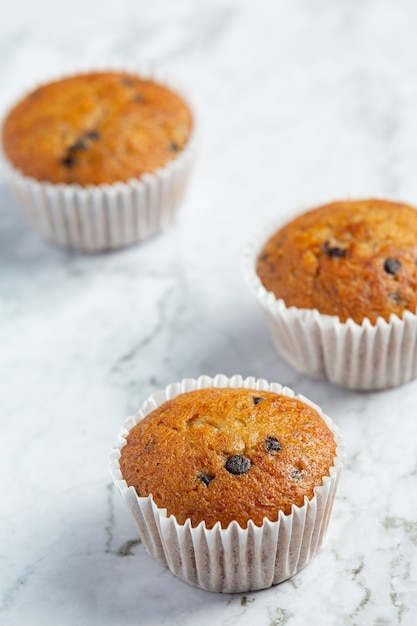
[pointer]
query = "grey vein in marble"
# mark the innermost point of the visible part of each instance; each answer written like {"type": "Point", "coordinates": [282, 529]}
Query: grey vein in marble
{"type": "Point", "coordinates": [298, 102]}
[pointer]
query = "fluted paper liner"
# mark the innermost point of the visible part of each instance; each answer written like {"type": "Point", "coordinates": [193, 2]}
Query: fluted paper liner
{"type": "Point", "coordinates": [103, 217]}
{"type": "Point", "coordinates": [234, 559]}
{"type": "Point", "coordinates": [357, 356]}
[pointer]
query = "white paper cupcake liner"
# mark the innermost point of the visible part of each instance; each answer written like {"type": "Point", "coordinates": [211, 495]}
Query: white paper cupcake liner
{"type": "Point", "coordinates": [234, 559]}
{"type": "Point", "coordinates": [97, 218]}
{"type": "Point", "coordinates": [357, 356]}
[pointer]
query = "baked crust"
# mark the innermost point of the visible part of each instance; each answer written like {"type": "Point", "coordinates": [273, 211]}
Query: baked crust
{"type": "Point", "coordinates": [228, 454]}
{"type": "Point", "coordinates": [354, 259]}
{"type": "Point", "coordinates": [95, 128]}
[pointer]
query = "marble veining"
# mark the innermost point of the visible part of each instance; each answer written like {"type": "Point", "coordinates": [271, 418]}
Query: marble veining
{"type": "Point", "coordinates": [297, 101]}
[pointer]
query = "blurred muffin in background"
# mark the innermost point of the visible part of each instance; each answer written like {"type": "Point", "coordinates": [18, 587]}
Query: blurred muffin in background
{"type": "Point", "coordinates": [99, 160]}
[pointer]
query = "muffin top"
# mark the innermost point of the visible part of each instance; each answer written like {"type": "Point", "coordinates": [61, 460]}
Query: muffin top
{"type": "Point", "coordinates": [228, 454]}
{"type": "Point", "coordinates": [355, 259]}
{"type": "Point", "coordinates": [96, 128]}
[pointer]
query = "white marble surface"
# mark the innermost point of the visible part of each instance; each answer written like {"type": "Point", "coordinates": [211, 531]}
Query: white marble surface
{"type": "Point", "coordinates": [298, 100]}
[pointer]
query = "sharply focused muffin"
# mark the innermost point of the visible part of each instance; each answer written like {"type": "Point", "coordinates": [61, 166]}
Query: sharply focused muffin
{"type": "Point", "coordinates": [223, 455]}
{"type": "Point", "coordinates": [100, 127]}
{"type": "Point", "coordinates": [230, 481]}
{"type": "Point", "coordinates": [352, 259]}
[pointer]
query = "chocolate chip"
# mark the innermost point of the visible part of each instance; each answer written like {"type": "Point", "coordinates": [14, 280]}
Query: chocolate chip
{"type": "Point", "coordinates": [391, 266]}
{"type": "Point", "coordinates": [81, 144]}
{"type": "Point", "coordinates": [128, 82]}
{"type": "Point", "coordinates": [174, 146]}
{"type": "Point", "coordinates": [68, 161]}
{"type": "Point", "coordinates": [138, 98]}
{"type": "Point", "coordinates": [397, 298]}
{"type": "Point", "coordinates": [238, 464]}
{"type": "Point", "coordinates": [297, 475]}
{"type": "Point", "coordinates": [272, 445]}
{"type": "Point", "coordinates": [205, 478]}
{"type": "Point", "coordinates": [264, 257]}
{"type": "Point", "coordinates": [257, 399]}
{"type": "Point", "coordinates": [93, 135]}
{"type": "Point", "coordinates": [334, 251]}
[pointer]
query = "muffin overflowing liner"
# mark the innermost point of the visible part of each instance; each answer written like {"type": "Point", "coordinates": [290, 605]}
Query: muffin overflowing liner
{"type": "Point", "coordinates": [233, 559]}
{"type": "Point", "coordinates": [357, 356]}
{"type": "Point", "coordinates": [98, 218]}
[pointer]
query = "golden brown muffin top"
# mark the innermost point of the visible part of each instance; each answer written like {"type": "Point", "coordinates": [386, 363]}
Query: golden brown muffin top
{"type": "Point", "coordinates": [355, 259]}
{"type": "Point", "coordinates": [228, 454]}
{"type": "Point", "coordinates": [95, 128]}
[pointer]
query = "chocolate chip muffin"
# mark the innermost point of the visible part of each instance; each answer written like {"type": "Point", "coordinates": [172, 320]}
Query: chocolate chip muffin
{"type": "Point", "coordinates": [338, 287]}
{"type": "Point", "coordinates": [352, 259]}
{"type": "Point", "coordinates": [228, 454]}
{"type": "Point", "coordinates": [247, 472]}
{"type": "Point", "coordinates": [99, 160]}
{"type": "Point", "coordinates": [95, 128]}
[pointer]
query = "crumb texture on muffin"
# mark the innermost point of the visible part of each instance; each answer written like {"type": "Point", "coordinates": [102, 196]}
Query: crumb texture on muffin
{"type": "Point", "coordinates": [355, 259]}
{"type": "Point", "coordinates": [96, 128]}
{"type": "Point", "coordinates": [228, 454]}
